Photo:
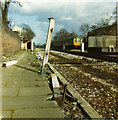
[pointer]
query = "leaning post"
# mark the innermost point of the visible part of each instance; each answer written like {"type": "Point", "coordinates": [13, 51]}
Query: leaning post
{"type": "Point", "coordinates": [48, 43]}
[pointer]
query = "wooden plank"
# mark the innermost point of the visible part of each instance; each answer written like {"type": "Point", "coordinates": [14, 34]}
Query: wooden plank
{"type": "Point", "coordinates": [83, 103]}
{"type": "Point", "coordinates": [57, 73]}
{"type": "Point", "coordinates": [9, 63]}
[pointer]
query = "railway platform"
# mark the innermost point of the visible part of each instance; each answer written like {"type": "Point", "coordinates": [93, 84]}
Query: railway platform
{"type": "Point", "coordinates": [25, 92]}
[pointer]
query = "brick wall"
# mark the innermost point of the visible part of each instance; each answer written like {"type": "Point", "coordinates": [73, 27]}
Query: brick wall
{"type": "Point", "coordinates": [10, 42]}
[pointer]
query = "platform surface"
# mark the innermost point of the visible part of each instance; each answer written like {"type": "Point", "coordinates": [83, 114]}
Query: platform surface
{"type": "Point", "coordinates": [26, 93]}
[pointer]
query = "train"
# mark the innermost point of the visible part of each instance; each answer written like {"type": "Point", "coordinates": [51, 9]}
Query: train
{"type": "Point", "coordinates": [77, 41]}
{"type": "Point", "coordinates": [73, 43]}
{"type": "Point", "coordinates": [102, 43]}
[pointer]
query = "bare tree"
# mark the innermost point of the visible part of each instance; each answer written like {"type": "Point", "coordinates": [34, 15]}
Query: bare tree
{"type": "Point", "coordinates": [104, 22]}
{"type": "Point", "coordinates": [27, 33]}
{"type": "Point", "coordinates": [4, 7]}
{"type": "Point", "coordinates": [84, 29]}
{"type": "Point", "coordinates": [115, 15]}
{"type": "Point", "coordinates": [63, 36]}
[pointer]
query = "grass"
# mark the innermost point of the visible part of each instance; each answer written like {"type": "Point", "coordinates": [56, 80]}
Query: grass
{"type": "Point", "coordinates": [15, 53]}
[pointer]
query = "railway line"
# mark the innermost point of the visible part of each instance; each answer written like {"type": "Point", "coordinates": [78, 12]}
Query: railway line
{"type": "Point", "coordinates": [96, 86]}
{"type": "Point", "coordinates": [105, 56]}
{"type": "Point", "coordinates": [75, 105]}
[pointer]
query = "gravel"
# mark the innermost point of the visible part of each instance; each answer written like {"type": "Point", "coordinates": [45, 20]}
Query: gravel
{"type": "Point", "coordinates": [96, 81]}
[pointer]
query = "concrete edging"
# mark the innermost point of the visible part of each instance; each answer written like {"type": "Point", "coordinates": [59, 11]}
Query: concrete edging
{"type": "Point", "coordinates": [9, 63]}
{"type": "Point", "coordinates": [83, 103]}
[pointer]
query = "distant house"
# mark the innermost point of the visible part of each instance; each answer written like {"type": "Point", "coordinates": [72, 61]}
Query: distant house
{"type": "Point", "coordinates": [25, 43]}
{"type": "Point", "coordinates": [17, 30]}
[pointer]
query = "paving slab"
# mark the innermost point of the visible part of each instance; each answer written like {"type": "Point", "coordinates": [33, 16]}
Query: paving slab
{"type": "Point", "coordinates": [26, 93]}
{"type": "Point", "coordinates": [12, 78]}
{"type": "Point", "coordinates": [38, 113]}
{"type": "Point", "coordinates": [3, 83]}
{"type": "Point", "coordinates": [27, 84]}
{"type": "Point", "coordinates": [6, 114]}
{"type": "Point", "coordinates": [23, 102]}
{"type": "Point", "coordinates": [9, 91]}
{"type": "Point", "coordinates": [25, 76]}
{"type": "Point", "coordinates": [16, 75]}
{"type": "Point", "coordinates": [8, 71]}
{"type": "Point", "coordinates": [35, 91]}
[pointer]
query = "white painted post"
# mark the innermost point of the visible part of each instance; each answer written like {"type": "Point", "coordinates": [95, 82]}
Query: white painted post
{"type": "Point", "coordinates": [64, 47]}
{"type": "Point", "coordinates": [32, 45]}
{"type": "Point", "coordinates": [22, 45]}
{"type": "Point", "coordinates": [25, 45]}
{"type": "Point", "coordinates": [48, 42]}
{"type": "Point", "coordinates": [82, 47]}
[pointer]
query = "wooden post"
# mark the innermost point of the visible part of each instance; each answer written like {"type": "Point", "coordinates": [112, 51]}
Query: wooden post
{"type": "Point", "coordinates": [48, 43]}
{"type": "Point", "coordinates": [64, 94]}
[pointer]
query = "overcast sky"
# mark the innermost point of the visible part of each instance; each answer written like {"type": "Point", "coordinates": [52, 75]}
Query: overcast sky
{"type": "Point", "coordinates": [68, 14]}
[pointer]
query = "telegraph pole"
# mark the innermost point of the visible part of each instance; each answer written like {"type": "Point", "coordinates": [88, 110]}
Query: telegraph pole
{"type": "Point", "coordinates": [48, 43]}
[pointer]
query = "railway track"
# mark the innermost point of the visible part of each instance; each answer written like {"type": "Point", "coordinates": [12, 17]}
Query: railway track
{"type": "Point", "coordinates": [99, 94]}
{"type": "Point", "coordinates": [84, 105]}
{"type": "Point", "coordinates": [103, 56]}
{"type": "Point", "coordinates": [91, 84]}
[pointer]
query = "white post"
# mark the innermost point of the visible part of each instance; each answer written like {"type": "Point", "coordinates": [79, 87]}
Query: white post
{"type": "Point", "coordinates": [82, 47]}
{"type": "Point", "coordinates": [64, 47]}
{"type": "Point", "coordinates": [25, 45]}
{"type": "Point", "coordinates": [48, 42]}
{"type": "Point", "coordinates": [22, 45]}
{"type": "Point", "coordinates": [32, 45]}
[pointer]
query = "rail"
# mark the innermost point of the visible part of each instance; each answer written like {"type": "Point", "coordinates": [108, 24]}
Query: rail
{"type": "Point", "coordinates": [80, 100]}
{"type": "Point", "coordinates": [103, 56]}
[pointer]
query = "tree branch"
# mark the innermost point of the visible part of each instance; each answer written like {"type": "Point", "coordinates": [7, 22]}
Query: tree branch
{"type": "Point", "coordinates": [17, 3]}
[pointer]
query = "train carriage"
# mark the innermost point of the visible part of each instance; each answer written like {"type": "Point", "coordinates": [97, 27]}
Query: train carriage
{"type": "Point", "coordinates": [102, 43]}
